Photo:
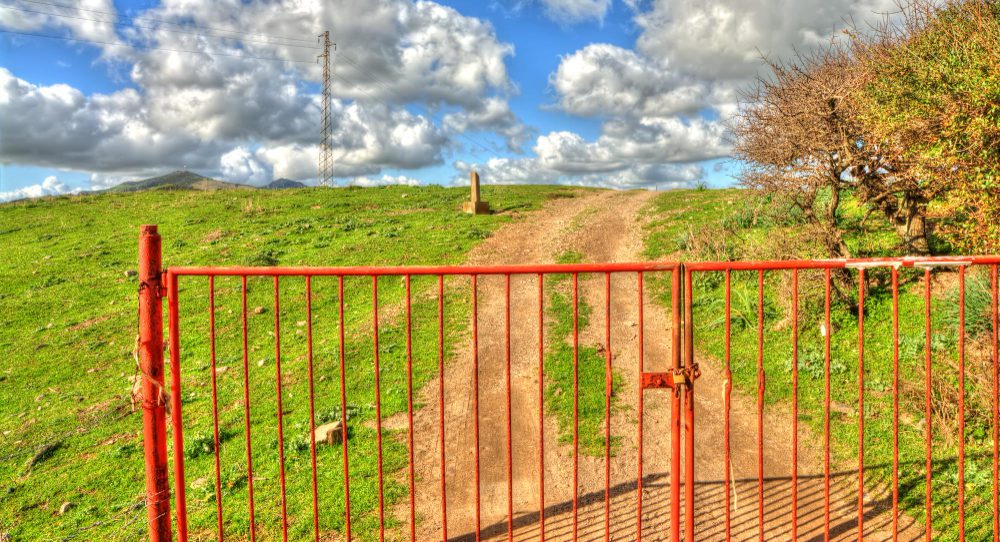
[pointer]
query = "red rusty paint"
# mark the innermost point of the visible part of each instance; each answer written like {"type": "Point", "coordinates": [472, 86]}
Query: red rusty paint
{"type": "Point", "coordinates": [150, 346]}
{"type": "Point", "coordinates": [312, 410]}
{"type": "Point", "coordinates": [657, 380]}
{"type": "Point", "coordinates": [215, 407]}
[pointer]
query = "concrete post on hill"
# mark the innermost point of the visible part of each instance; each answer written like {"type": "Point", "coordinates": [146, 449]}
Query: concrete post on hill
{"type": "Point", "coordinates": [149, 345]}
{"type": "Point", "coordinates": [475, 206]}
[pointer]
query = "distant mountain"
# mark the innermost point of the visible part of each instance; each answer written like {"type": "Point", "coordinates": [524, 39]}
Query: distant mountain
{"type": "Point", "coordinates": [177, 180]}
{"type": "Point", "coordinates": [284, 183]}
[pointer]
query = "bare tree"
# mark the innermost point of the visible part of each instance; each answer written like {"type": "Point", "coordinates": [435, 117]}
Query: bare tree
{"type": "Point", "coordinates": [799, 136]}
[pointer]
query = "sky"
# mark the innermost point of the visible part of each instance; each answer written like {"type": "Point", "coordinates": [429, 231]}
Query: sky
{"type": "Point", "coordinates": [612, 93]}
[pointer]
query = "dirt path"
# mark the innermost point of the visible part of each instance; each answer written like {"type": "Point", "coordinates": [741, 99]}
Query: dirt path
{"type": "Point", "coordinates": [604, 226]}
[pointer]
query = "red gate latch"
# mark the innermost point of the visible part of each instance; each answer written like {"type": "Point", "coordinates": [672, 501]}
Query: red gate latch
{"type": "Point", "coordinates": [657, 380]}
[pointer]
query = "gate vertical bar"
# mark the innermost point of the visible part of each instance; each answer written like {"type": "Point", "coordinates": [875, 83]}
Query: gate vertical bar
{"type": "Point", "coordinates": [961, 403]}
{"type": "Point", "coordinates": [795, 404]}
{"type": "Point", "coordinates": [895, 404]}
{"type": "Point", "coordinates": [996, 409]}
{"type": "Point", "coordinates": [541, 408]}
{"type": "Point", "coordinates": [676, 299]}
{"type": "Point", "coordinates": [246, 411]}
{"type": "Point", "coordinates": [378, 411]}
{"type": "Point", "coordinates": [608, 385]}
{"type": "Point", "coordinates": [280, 410]}
{"type": "Point", "coordinates": [312, 408]}
{"type": "Point", "coordinates": [576, 405]}
{"type": "Point", "coordinates": [215, 407]}
{"type": "Point", "coordinates": [861, 405]}
{"type": "Point", "coordinates": [343, 410]}
{"type": "Point", "coordinates": [674, 486]}
{"type": "Point", "coordinates": [177, 422]}
{"type": "Point", "coordinates": [510, 459]}
{"type": "Point", "coordinates": [727, 405]}
{"type": "Point", "coordinates": [409, 409]}
{"type": "Point", "coordinates": [928, 426]}
{"type": "Point", "coordinates": [826, 406]}
{"type": "Point", "coordinates": [760, 404]}
{"type": "Point", "coordinates": [154, 418]}
{"type": "Point", "coordinates": [475, 396]}
{"type": "Point", "coordinates": [444, 488]}
{"type": "Point", "coordinates": [691, 373]}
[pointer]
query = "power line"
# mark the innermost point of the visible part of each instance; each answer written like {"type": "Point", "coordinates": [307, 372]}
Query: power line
{"type": "Point", "coordinates": [142, 48]}
{"type": "Point", "coordinates": [126, 25]}
{"type": "Point", "coordinates": [163, 21]}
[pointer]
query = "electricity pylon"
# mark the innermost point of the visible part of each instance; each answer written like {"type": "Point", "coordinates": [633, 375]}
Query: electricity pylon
{"type": "Point", "coordinates": [326, 138]}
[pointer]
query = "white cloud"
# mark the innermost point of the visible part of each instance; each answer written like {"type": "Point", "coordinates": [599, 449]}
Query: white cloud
{"type": "Point", "coordinates": [492, 114]}
{"type": "Point", "coordinates": [241, 166]}
{"type": "Point", "coordinates": [614, 160]}
{"type": "Point", "coordinates": [663, 104]}
{"type": "Point", "coordinates": [607, 80]}
{"type": "Point", "coordinates": [575, 11]}
{"type": "Point", "coordinates": [193, 110]}
{"type": "Point", "coordinates": [51, 186]}
{"type": "Point", "coordinates": [724, 39]}
{"type": "Point", "coordinates": [533, 171]}
{"type": "Point", "coordinates": [385, 180]}
{"type": "Point", "coordinates": [78, 19]}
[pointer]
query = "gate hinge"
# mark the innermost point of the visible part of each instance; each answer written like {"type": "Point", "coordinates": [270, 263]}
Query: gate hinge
{"type": "Point", "coordinates": [161, 290]}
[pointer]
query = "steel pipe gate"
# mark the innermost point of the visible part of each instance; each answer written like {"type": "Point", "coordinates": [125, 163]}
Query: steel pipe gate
{"type": "Point", "coordinates": [690, 513]}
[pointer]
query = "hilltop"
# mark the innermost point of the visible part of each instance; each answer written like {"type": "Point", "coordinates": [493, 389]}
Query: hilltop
{"type": "Point", "coordinates": [189, 180]}
{"type": "Point", "coordinates": [177, 180]}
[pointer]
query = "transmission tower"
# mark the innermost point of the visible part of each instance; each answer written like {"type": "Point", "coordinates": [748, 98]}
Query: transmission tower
{"type": "Point", "coordinates": [326, 138]}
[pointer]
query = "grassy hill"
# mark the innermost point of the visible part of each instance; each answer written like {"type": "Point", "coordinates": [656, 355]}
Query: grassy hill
{"type": "Point", "coordinates": [177, 180]}
{"type": "Point", "coordinates": [67, 328]}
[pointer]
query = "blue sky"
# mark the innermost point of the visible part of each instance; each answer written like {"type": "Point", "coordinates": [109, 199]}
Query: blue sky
{"type": "Point", "coordinates": [616, 93]}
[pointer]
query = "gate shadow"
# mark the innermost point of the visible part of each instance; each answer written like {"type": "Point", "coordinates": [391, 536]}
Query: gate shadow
{"type": "Point", "coordinates": [710, 509]}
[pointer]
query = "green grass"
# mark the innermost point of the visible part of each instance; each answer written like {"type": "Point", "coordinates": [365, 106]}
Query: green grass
{"type": "Point", "coordinates": [67, 328]}
{"type": "Point", "coordinates": [696, 225]}
{"type": "Point", "coordinates": [590, 367]}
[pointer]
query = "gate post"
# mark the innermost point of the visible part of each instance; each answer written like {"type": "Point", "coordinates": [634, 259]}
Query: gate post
{"type": "Point", "coordinates": [150, 352]}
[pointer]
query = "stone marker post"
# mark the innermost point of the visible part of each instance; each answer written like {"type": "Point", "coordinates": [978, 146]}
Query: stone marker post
{"type": "Point", "coordinates": [475, 206]}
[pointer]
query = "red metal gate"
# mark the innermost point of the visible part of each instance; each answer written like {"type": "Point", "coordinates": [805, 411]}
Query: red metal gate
{"type": "Point", "coordinates": [674, 379]}
{"type": "Point", "coordinates": [690, 507]}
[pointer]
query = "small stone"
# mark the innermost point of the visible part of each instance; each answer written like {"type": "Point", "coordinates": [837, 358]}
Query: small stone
{"type": "Point", "coordinates": [300, 323]}
{"type": "Point", "coordinates": [259, 310]}
{"type": "Point", "coordinates": [131, 273]}
{"type": "Point", "coordinates": [322, 378]}
{"type": "Point", "coordinates": [47, 257]}
{"type": "Point", "coordinates": [260, 363]}
{"type": "Point", "coordinates": [841, 408]}
{"type": "Point", "coordinates": [329, 433]}
{"type": "Point", "coordinates": [221, 370]}
{"type": "Point", "coordinates": [66, 507]}
{"type": "Point", "coordinates": [6, 433]}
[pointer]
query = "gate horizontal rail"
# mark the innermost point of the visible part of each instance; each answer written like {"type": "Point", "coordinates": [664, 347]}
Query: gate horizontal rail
{"type": "Point", "coordinates": [680, 379]}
